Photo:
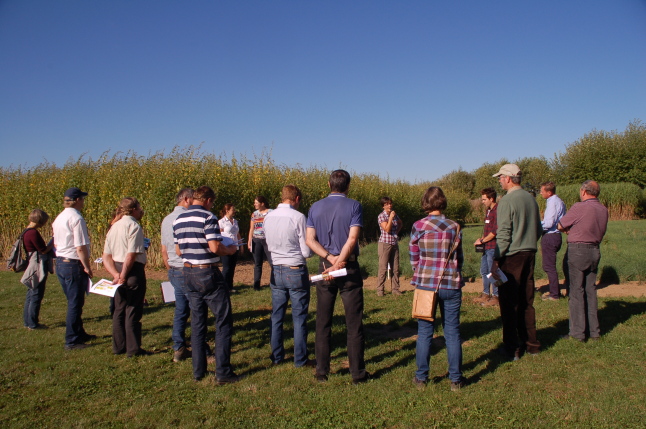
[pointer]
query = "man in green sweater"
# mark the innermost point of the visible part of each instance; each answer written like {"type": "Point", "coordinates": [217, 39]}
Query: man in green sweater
{"type": "Point", "coordinates": [519, 228]}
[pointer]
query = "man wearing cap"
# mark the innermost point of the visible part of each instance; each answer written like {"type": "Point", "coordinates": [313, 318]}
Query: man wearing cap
{"type": "Point", "coordinates": [198, 241]}
{"type": "Point", "coordinates": [519, 228]}
{"type": "Point", "coordinates": [73, 269]}
{"type": "Point", "coordinates": [585, 225]}
{"type": "Point", "coordinates": [333, 227]}
{"type": "Point", "coordinates": [551, 241]}
{"type": "Point", "coordinates": [285, 234]}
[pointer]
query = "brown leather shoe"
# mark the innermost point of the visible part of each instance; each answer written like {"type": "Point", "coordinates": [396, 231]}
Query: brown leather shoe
{"type": "Point", "coordinates": [483, 297]}
{"type": "Point", "coordinates": [492, 302]}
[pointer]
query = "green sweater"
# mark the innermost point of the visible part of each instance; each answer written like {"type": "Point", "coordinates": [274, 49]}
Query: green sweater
{"type": "Point", "coordinates": [519, 223]}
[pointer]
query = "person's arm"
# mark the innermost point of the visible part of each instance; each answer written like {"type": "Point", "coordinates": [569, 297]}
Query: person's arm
{"type": "Point", "coordinates": [483, 240]}
{"type": "Point", "coordinates": [164, 251]}
{"type": "Point", "coordinates": [249, 242]}
{"type": "Point", "coordinates": [312, 243]}
{"type": "Point", "coordinates": [549, 217]}
{"type": "Point", "coordinates": [84, 256]}
{"type": "Point", "coordinates": [388, 225]}
{"type": "Point", "coordinates": [220, 249]}
{"type": "Point", "coordinates": [108, 263]}
{"type": "Point", "coordinates": [178, 251]}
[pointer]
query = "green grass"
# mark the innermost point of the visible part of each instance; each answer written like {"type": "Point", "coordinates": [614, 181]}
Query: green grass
{"type": "Point", "coordinates": [568, 385]}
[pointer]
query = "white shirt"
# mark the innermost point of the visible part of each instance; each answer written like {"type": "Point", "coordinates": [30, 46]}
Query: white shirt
{"type": "Point", "coordinates": [285, 235]}
{"type": "Point", "coordinates": [229, 229]}
{"type": "Point", "coordinates": [125, 236]}
{"type": "Point", "coordinates": [70, 232]}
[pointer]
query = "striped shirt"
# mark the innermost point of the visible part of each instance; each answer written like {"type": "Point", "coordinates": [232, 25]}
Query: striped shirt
{"type": "Point", "coordinates": [430, 243]}
{"type": "Point", "coordinates": [192, 230]}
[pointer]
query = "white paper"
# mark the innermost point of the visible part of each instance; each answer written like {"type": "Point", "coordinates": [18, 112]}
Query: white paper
{"type": "Point", "coordinates": [338, 273]}
{"type": "Point", "coordinates": [168, 292]}
{"type": "Point", "coordinates": [229, 241]}
{"type": "Point", "coordinates": [501, 275]}
{"type": "Point", "coordinates": [104, 287]}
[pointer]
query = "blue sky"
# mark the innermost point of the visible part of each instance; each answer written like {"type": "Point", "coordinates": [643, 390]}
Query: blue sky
{"type": "Point", "coordinates": [408, 90]}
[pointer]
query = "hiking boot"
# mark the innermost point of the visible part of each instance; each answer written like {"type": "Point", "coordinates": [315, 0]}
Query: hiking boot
{"type": "Point", "coordinates": [457, 385]}
{"type": "Point", "coordinates": [483, 297]}
{"type": "Point", "coordinates": [492, 302]}
{"type": "Point", "coordinates": [181, 354]}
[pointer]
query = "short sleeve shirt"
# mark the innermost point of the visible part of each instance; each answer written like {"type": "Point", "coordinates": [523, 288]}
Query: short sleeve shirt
{"type": "Point", "coordinates": [70, 232]}
{"type": "Point", "coordinates": [125, 236]}
{"type": "Point", "coordinates": [332, 217]}
{"type": "Point", "coordinates": [193, 230]}
{"type": "Point", "coordinates": [388, 237]}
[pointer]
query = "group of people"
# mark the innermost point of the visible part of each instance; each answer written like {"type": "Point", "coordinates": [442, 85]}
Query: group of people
{"type": "Point", "coordinates": [195, 243]}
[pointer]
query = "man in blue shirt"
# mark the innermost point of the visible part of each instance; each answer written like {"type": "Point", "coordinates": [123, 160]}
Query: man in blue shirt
{"type": "Point", "coordinates": [551, 241]}
{"type": "Point", "coordinates": [333, 228]}
{"type": "Point", "coordinates": [198, 241]}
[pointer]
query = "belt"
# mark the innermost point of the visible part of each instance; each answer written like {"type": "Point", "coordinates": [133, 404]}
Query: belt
{"type": "Point", "coordinates": [189, 265]}
{"type": "Point", "coordinates": [584, 245]}
{"type": "Point", "coordinates": [59, 259]}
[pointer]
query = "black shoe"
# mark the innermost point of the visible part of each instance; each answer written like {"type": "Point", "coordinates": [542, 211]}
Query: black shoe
{"type": "Point", "coordinates": [141, 352]}
{"type": "Point", "coordinates": [77, 346]}
{"type": "Point", "coordinates": [228, 380]}
{"type": "Point", "coordinates": [84, 338]}
{"type": "Point", "coordinates": [362, 379]}
{"type": "Point", "coordinates": [310, 363]}
{"type": "Point", "coordinates": [321, 378]}
{"type": "Point", "coordinates": [511, 355]}
{"type": "Point", "coordinates": [256, 288]}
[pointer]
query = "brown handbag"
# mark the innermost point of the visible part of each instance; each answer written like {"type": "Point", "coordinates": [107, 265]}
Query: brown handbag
{"type": "Point", "coordinates": [424, 300]}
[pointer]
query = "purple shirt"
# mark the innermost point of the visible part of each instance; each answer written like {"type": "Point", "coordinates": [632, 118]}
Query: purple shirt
{"type": "Point", "coordinates": [587, 222]}
{"type": "Point", "coordinates": [332, 218]}
{"type": "Point", "coordinates": [491, 226]}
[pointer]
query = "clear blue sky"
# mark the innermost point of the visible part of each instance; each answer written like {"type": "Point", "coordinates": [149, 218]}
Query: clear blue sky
{"type": "Point", "coordinates": [408, 90]}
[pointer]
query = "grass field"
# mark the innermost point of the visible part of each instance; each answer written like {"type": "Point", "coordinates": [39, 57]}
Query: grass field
{"type": "Point", "coordinates": [569, 384]}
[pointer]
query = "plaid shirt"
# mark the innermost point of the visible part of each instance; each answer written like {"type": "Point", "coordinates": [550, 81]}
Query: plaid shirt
{"type": "Point", "coordinates": [430, 243]}
{"type": "Point", "coordinates": [388, 237]}
{"type": "Point", "coordinates": [491, 226]}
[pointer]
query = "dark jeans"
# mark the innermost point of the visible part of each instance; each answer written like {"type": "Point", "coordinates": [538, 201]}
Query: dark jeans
{"type": "Point", "coordinates": [206, 288]}
{"type": "Point", "coordinates": [583, 260]}
{"type": "Point", "coordinates": [74, 281]}
{"type": "Point", "coordinates": [182, 309]}
{"type": "Point", "coordinates": [32, 304]}
{"type": "Point", "coordinates": [229, 263]}
{"type": "Point", "coordinates": [550, 245]}
{"type": "Point", "coordinates": [260, 253]}
{"type": "Point", "coordinates": [517, 303]}
{"type": "Point", "coordinates": [350, 288]}
{"type": "Point", "coordinates": [289, 283]}
{"type": "Point", "coordinates": [128, 309]}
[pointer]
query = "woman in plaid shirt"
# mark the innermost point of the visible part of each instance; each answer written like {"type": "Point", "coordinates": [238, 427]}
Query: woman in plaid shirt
{"type": "Point", "coordinates": [430, 245]}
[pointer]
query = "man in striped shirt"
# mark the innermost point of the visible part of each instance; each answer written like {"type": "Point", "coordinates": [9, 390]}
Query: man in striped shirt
{"type": "Point", "coordinates": [198, 241]}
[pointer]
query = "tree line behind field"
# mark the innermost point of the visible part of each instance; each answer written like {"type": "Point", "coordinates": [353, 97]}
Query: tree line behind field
{"type": "Point", "coordinates": [616, 160]}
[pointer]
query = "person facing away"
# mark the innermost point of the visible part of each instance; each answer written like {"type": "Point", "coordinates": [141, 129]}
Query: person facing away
{"type": "Point", "coordinates": [124, 256]}
{"type": "Point", "coordinates": [585, 224]}
{"type": "Point", "coordinates": [551, 241]}
{"type": "Point", "coordinates": [519, 228]}
{"type": "Point", "coordinates": [333, 227]}
{"type": "Point", "coordinates": [175, 267]}
{"type": "Point", "coordinates": [388, 249]}
{"type": "Point", "coordinates": [73, 269]}
{"type": "Point", "coordinates": [285, 233]}
{"type": "Point", "coordinates": [489, 296]}
{"type": "Point", "coordinates": [199, 243]}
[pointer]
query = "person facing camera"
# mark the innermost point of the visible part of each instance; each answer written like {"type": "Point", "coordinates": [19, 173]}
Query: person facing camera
{"type": "Point", "coordinates": [389, 226]}
{"type": "Point", "coordinates": [124, 256]}
{"type": "Point", "coordinates": [436, 267]}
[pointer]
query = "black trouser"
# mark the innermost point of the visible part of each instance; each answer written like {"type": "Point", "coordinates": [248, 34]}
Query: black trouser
{"type": "Point", "coordinates": [128, 309]}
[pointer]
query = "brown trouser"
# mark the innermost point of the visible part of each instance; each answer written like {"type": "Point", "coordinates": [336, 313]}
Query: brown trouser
{"type": "Point", "coordinates": [517, 303]}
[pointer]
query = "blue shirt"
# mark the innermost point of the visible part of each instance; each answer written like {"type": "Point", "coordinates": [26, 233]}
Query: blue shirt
{"type": "Point", "coordinates": [332, 217]}
{"type": "Point", "coordinates": [554, 211]}
{"type": "Point", "coordinates": [192, 231]}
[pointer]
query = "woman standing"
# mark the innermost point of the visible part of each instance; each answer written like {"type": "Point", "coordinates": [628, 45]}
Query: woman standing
{"type": "Point", "coordinates": [388, 249]}
{"type": "Point", "coordinates": [257, 242]}
{"type": "Point", "coordinates": [229, 228]}
{"type": "Point", "coordinates": [36, 273]}
{"type": "Point", "coordinates": [124, 256]}
{"type": "Point", "coordinates": [437, 267]}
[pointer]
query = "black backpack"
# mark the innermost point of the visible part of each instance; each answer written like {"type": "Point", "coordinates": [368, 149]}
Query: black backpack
{"type": "Point", "coordinates": [17, 261]}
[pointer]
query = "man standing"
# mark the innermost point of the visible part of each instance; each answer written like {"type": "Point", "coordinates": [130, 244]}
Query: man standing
{"type": "Point", "coordinates": [551, 241]}
{"type": "Point", "coordinates": [198, 241]}
{"type": "Point", "coordinates": [519, 228]}
{"type": "Point", "coordinates": [333, 227]}
{"type": "Point", "coordinates": [175, 266]}
{"type": "Point", "coordinates": [585, 224]}
{"type": "Point", "coordinates": [389, 226]}
{"type": "Point", "coordinates": [488, 239]}
{"type": "Point", "coordinates": [73, 269]}
{"type": "Point", "coordinates": [285, 234]}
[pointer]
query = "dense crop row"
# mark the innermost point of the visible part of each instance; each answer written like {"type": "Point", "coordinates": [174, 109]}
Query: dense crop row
{"type": "Point", "coordinates": [155, 180]}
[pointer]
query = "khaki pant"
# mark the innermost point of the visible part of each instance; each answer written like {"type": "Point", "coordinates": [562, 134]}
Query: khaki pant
{"type": "Point", "coordinates": [388, 253]}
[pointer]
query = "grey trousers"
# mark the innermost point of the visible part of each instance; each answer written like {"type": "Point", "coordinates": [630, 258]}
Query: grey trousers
{"type": "Point", "coordinates": [388, 253]}
{"type": "Point", "coordinates": [583, 262]}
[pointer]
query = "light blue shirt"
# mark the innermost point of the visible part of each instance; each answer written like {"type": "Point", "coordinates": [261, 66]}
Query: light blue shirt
{"type": "Point", "coordinates": [554, 211]}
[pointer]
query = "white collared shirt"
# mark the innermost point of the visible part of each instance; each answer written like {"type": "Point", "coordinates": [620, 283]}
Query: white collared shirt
{"type": "Point", "coordinates": [285, 235]}
{"type": "Point", "coordinates": [70, 232]}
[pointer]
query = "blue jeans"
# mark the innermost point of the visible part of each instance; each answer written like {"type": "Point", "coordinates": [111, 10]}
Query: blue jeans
{"type": "Point", "coordinates": [485, 268]}
{"type": "Point", "coordinates": [182, 308]}
{"type": "Point", "coordinates": [206, 288]}
{"type": "Point", "coordinates": [286, 283]}
{"type": "Point", "coordinates": [74, 281]}
{"type": "Point", "coordinates": [449, 301]}
{"type": "Point", "coordinates": [32, 304]}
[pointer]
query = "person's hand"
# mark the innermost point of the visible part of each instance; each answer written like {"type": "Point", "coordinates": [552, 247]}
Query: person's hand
{"type": "Point", "coordinates": [392, 214]}
{"type": "Point", "coordinates": [116, 280]}
{"type": "Point", "coordinates": [478, 241]}
{"type": "Point", "coordinates": [232, 249]}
